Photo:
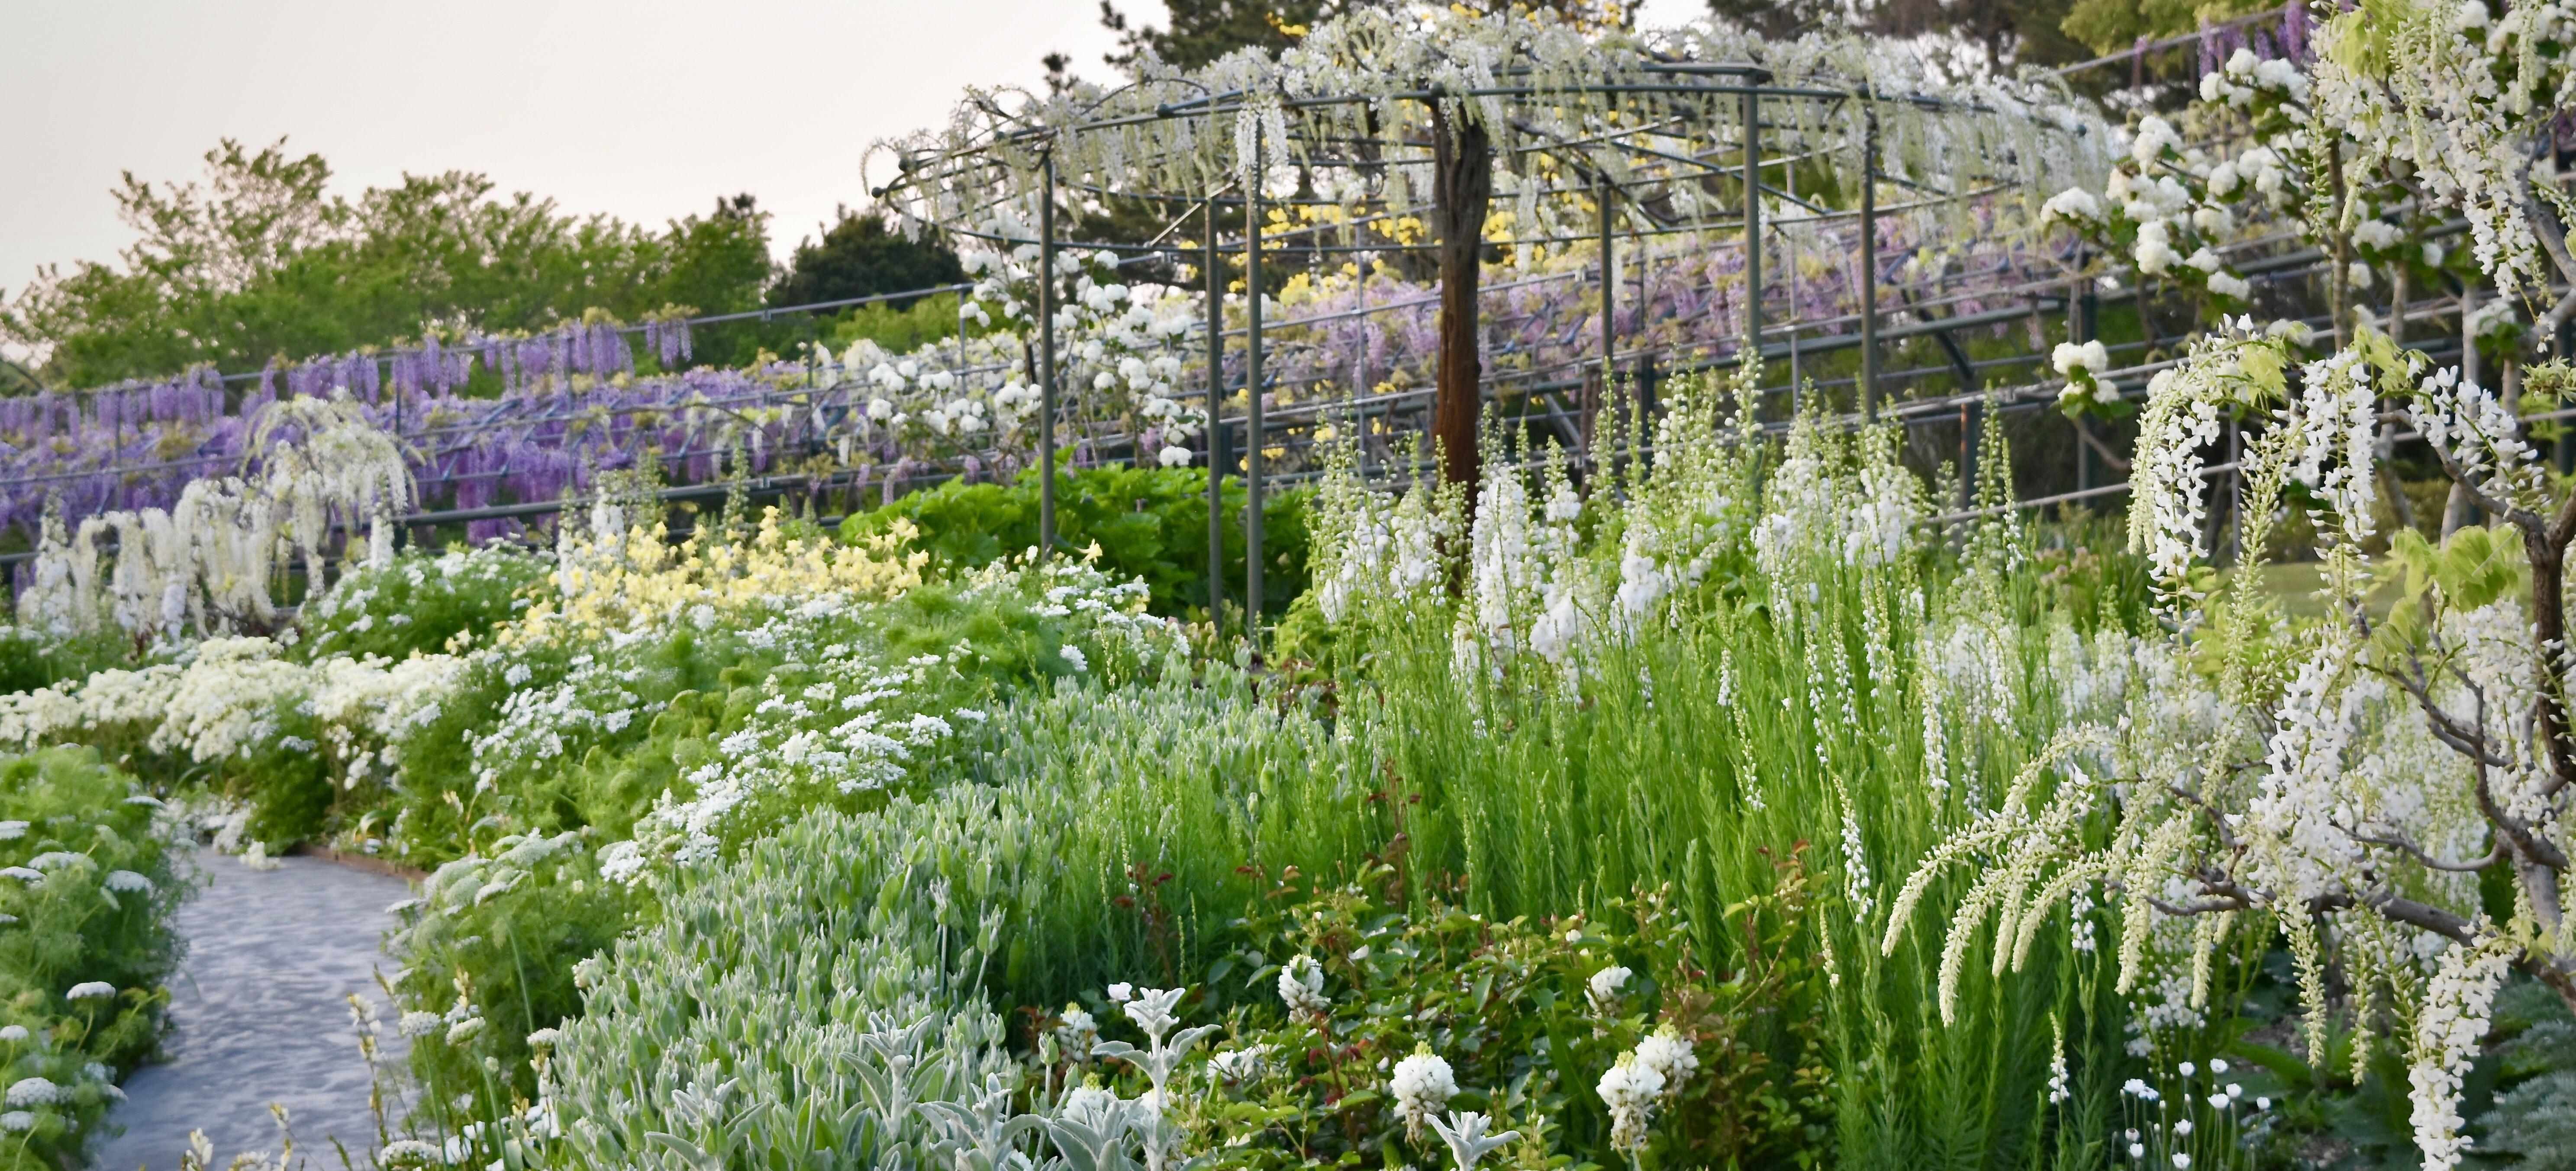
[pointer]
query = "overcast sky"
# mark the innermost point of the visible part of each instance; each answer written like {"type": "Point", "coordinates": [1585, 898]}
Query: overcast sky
{"type": "Point", "coordinates": [644, 109]}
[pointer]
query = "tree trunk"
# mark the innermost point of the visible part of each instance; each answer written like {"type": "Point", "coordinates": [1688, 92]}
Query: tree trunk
{"type": "Point", "coordinates": [1462, 190]}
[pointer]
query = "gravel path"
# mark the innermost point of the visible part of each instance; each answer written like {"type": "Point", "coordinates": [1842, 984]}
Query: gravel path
{"type": "Point", "coordinates": [260, 1014]}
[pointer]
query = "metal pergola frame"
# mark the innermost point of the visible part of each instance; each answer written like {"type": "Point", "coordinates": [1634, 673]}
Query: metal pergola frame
{"type": "Point", "coordinates": [1752, 87]}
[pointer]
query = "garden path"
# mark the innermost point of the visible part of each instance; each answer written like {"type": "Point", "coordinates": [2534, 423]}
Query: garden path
{"type": "Point", "coordinates": [260, 1014]}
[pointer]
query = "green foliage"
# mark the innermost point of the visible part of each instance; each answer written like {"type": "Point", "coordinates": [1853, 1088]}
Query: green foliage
{"type": "Point", "coordinates": [29, 660]}
{"type": "Point", "coordinates": [895, 330]}
{"type": "Point", "coordinates": [1150, 524]}
{"type": "Point", "coordinates": [99, 916]}
{"type": "Point", "coordinates": [420, 602]}
{"type": "Point", "coordinates": [259, 260]}
{"type": "Point", "coordinates": [859, 257]}
{"type": "Point", "coordinates": [2535, 1117]}
{"type": "Point", "coordinates": [2108, 26]}
{"type": "Point", "coordinates": [1512, 1007]}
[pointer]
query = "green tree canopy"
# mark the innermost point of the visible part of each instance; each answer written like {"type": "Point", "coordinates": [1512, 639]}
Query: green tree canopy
{"type": "Point", "coordinates": [858, 257]}
{"type": "Point", "coordinates": [259, 260]}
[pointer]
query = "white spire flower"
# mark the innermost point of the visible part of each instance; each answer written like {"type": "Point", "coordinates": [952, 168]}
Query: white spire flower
{"type": "Point", "coordinates": [1629, 1089]}
{"type": "Point", "coordinates": [1422, 1084]}
{"type": "Point", "coordinates": [1301, 986]}
{"type": "Point", "coordinates": [1670, 1057]}
{"type": "Point", "coordinates": [1603, 989]}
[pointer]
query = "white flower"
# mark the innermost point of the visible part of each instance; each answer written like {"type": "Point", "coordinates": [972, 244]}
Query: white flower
{"type": "Point", "coordinates": [17, 1121]}
{"type": "Point", "coordinates": [1077, 1032]}
{"type": "Point", "coordinates": [2155, 252]}
{"type": "Point", "coordinates": [1603, 990]}
{"type": "Point", "coordinates": [1174, 457]}
{"type": "Point", "coordinates": [13, 1032]}
{"type": "Point", "coordinates": [1121, 993]}
{"type": "Point", "coordinates": [2229, 285]}
{"type": "Point", "coordinates": [545, 1038]}
{"type": "Point", "coordinates": [464, 1030]}
{"type": "Point", "coordinates": [1301, 985]}
{"type": "Point", "coordinates": [12, 830]}
{"type": "Point", "coordinates": [127, 880]}
{"type": "Point", "coordinates": [2359, 274]}
{"type": "Point", "coordinates": [2091, 357]}
{"type": "Point", "coordinates": [2154, 136]}
{"type": "Point", "coordinates": [34, 1091]}
{"type": "Point", "coordinates": [2447, 1031]}
{"type": "Point", "coordinates": [1670, 1057]}
{"type": "Point", "coordinates": [408, 1152]}
{"type": "Point", "coordinates": [91, 990]}
{"type": "Point", "coordinates": [418, 1024]}
{"type": "Point", "coordinates": [1236, 1065]}
{"type": "Point", "coordinates": [1422, 1084]}
{"type": "Point", "coordinates": [1629, 1089]}
{"type": "Point", "coordinates": [2074, 203]}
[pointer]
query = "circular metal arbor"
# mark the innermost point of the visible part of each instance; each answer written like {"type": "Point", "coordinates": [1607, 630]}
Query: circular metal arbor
{"type": "Point", "coordinates": [1444, 141]}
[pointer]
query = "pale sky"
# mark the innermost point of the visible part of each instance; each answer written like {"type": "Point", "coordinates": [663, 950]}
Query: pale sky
{"type": "Point", "coordinates": [644, 109]}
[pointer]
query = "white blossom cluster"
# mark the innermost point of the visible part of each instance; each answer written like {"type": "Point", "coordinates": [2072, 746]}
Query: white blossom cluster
{"type": "Point", "coordinates": [204, 565]}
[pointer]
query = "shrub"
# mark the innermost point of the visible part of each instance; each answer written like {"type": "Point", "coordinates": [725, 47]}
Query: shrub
{"type": "Point", "coordinates": [419, 601]}
{"type": "Point", "coordinates": [1150, 525]}
{"type": "Point", "coordinates": [87, 888]}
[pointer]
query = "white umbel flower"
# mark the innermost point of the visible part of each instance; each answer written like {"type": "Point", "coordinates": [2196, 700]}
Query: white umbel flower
{"type": "Point", "coordinates": [91, 990]}
{"type": "Point", "coordinates": [34, 1091]}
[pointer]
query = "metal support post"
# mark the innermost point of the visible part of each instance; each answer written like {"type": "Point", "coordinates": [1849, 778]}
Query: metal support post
{"type": "Point", "coordinates": [1869, 264]}
{"type": "Point", "coordinates": [1046, 355]}
{"type": "Point", "coordinates": [1215, 426]}
{"type": "Point", "coordinates": [1252, 427]}
{"type": "Point", "coordinates": [1752, 228]}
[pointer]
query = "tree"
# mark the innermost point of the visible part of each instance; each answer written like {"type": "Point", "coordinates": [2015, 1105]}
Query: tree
{"type": "Point", "coordinates": [2007, 31]}
{"type": "Point", "coordinates": [858, 257]}
{"type": "Point", "coordinates": [1200, 31]}
{"type": "Point", "coordinates": [2390, 790]}
{"type": "Point", "coordinates": [258, 260]}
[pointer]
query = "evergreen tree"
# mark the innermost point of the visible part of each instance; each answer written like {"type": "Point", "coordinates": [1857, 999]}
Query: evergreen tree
{"type": "Point", "coordinates": [860, 257]}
